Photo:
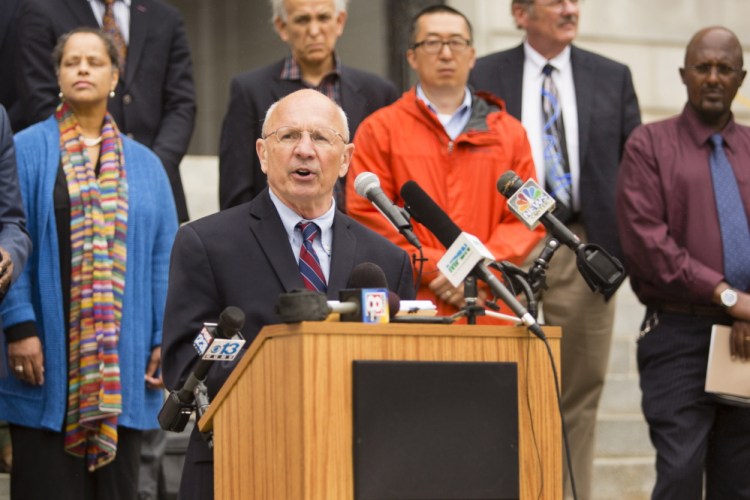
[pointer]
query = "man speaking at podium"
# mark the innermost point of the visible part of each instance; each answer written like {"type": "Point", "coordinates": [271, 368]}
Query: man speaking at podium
{"type": "Point", "coordinates": [291, 236]}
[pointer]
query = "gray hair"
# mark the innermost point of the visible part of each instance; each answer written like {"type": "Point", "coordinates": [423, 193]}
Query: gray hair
{"type": "Point", "coordinates": [277, 7]}
{"type": "Point", "coordinates": [339, 110]}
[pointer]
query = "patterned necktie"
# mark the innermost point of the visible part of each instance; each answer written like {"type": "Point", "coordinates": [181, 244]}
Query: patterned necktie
{"type": "Point", "coordinates": [735, 234]}
{"type": "Point", "coordinates": [109, 26]}
{"type": "Point", "coordinates": [309, 264]}
{"type": "Point", "coordinates": [557, 172]}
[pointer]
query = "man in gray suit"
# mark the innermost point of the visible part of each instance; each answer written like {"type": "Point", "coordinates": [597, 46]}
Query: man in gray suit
{"type": "Point", "coordinates": [311, 29]}
{"type": "Point", "coordinates": [599, 109]}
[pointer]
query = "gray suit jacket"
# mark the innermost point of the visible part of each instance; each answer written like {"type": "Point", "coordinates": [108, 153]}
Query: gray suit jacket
{"type": "Point", "coordinates": [242, 257]}
{"type": "Point", "coordinates": [252, 93]}
{"type": "Point", "coordinates": [607, 113]}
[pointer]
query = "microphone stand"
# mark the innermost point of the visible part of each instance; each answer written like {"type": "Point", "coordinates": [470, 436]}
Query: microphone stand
{"type": "Point", "coordinates": [201, 405]}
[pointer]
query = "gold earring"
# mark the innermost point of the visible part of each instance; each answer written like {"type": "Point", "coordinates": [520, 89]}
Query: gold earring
{"type": "Point", "coordinates": [112, 93]}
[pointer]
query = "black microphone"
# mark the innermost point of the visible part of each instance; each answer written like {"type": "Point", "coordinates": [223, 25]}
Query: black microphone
{"type": "Point", "coordinates": [367, 185]}
{"type": "Point", "coordinates": [425, 210]}
{"type": "Point", "coordinates": [305, 305]}
{"type": "Point", "coordinates": [602, 272]}
{"type": "Point", "coordinates": [179, 405]}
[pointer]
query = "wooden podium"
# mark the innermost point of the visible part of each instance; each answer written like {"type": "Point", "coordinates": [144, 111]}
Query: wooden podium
{"type": "Point", "coordinates": [282, 422]}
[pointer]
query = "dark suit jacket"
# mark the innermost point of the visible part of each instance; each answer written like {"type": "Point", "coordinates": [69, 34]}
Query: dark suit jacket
{"type": "Point", "coordinates": [252, 93]}
{"type": "Point", "coordinates": [607, 113]}
{"type": "Point", "coordinates": [242, 257]}
{"type": "Point", "coordinates": [8, 55]}
{"type": "Point", "coordinates": [154, 102]}
{"type": "Point", "coordinates": [13, 236]}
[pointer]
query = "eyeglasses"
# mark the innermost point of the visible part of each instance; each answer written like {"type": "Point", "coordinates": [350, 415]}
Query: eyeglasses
{"type": "Point", "coordinates": [289, 136]}
{"type": "Point", "coordinates": [556, 4]}
{"type": "Point", "coordinates": [435, 45]}
{"type": "Point", "coordinates": [705, 69]}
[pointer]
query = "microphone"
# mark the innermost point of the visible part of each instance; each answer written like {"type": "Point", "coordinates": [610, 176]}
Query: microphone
{"type": "Point", "coordinates": [532, 204]}
{"type": "Point", "coordinates": [366, 299]}
{"type": "Point", "coordinates": [425, 210]}
{"type": "Point", "coordinates": [529, 202]}
{"type": "Point", "coordinates": [367, 185]}
{"type": "Point", "coordinates": [221, 345]}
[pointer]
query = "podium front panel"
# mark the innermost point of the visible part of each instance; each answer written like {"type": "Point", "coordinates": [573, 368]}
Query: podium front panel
{"type": "Point", "coordinates": [445, 430]}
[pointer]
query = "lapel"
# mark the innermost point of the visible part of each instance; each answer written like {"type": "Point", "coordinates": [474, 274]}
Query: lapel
{"type": "Point", "coordinates": [266, 226]}
{"type": "Point", "coordinates": [512, 80]}
{"type": "Point", "coordinates": [583, 78]}
{"type": "Point", "coordinates": [82, 12]}
{"type": "Point", "coordinates": [342, 255]}
{"type": "Point", "coordinates": [352, 101]}
{"type": "Point", "coordinates": [140, 17]}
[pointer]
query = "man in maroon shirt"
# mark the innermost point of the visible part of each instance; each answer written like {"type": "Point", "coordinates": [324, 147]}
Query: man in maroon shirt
{"type": "Point", "coordinates": [675, 244]}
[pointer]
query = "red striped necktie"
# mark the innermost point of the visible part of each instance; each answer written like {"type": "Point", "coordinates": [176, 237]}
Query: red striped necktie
{"type": "Point", "coordinates": [309, 264]}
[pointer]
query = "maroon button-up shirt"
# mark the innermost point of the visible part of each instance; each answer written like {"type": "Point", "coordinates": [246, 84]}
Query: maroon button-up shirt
{"type": "Point", "coordinates": [666, 210]}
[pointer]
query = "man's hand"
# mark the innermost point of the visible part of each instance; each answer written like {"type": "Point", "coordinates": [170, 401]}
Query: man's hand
{"type": "Point", "coordinates": [739, 341]}
{"type": "Point", "coordinates": [6, 269]}
{"type": "Point", "coordinates": [153, 372]}
{"type": "Point", "coordinates": [441, 287]}
{"type": "Point", "coordinates": [26, 360]}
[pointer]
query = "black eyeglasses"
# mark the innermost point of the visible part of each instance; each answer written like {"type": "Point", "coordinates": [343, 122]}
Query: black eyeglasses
{"type": "Point", "coordinates": [435, 45]}
{"type": "Point", "coordinates": [705, 69]}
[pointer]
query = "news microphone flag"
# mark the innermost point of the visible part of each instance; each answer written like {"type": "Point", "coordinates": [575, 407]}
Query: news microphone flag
{"type": "Point", "coordinates": [530, 203]}
{"type": "Point", "coordinates": [462, 257]}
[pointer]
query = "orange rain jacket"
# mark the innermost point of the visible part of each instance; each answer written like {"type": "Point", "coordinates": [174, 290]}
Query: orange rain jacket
{"type": "Point", "coordinates": [405, 141]}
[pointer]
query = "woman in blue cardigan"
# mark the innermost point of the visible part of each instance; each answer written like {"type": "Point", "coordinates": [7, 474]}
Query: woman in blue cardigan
{"type": "Point", "coordinates": [83, 321]}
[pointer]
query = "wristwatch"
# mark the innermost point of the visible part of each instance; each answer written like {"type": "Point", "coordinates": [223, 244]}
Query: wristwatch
{"type": "Point", "coordinates": [729, 297]}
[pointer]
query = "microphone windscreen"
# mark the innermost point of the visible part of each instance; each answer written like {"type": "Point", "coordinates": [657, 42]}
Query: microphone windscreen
{"type": "Point", "coordinates": [364, 182]}
{"type": "Point", "coordinates": [425, 210]}
{"type": "Point", "coordinates": [367, 275]}
{"type": "Point", "coordinates": [509, 183]}
{"type": "Point", "coordinates": [394, 303]}
{"type": "Point", "coordinates": [231, 320]}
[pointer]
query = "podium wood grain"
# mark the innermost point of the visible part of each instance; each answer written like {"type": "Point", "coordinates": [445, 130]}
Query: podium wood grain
{"type": "Point", "coordinates": [283, 421]}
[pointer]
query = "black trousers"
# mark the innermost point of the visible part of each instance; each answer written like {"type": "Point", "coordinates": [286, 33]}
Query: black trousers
{"type": "Point", "coordinates": [42, 469]}
{"type": "Point", "coordinates": [694, 434]}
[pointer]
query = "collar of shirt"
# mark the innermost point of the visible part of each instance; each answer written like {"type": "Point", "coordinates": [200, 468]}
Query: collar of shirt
{"type": "Point", "coordinates": [121, 11]}
{"type": "Point", "coordinates": [531, 110]}
{"type": "Point", "coordinates": [700, 133]}
{"type": "Point", "coordinates": [454, 123]}
{"type": "Point", "coordinates": [322, 245]}
{"type": "Point", "coordinates": [330, 85]}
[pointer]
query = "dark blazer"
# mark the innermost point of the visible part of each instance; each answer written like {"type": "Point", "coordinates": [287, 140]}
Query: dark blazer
{"type": "Point", "coordinates": [154, 103]}
{"type": "Point", "coordinates": [252, 93]}
{"type": "Point", "coordinates": [242, 257]}
{"type": "Point", "coordinates": [13, 236]}
{"type": "Point", "coordinates": [8, 55]}
{"type": "Point", "coordinates": [607, 113]}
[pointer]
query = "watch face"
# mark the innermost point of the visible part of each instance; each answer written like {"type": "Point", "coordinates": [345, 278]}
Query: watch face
{"type": "Point", "coordinates": [728, 297]}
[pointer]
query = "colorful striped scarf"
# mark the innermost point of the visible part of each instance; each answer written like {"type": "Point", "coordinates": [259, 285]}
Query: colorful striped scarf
{"type": "Point", "coordinates": [98, 227]}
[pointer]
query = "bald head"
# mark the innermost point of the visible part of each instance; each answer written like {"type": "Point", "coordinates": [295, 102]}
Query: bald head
{"type": "Point", "coordinates": [308, 97]}
{"type": "Point", "coordinates": [713, 74]}
{"type": "Point", "coordinates": [715, 36]}
{"type": "Point", "coordinates": [304, 151]}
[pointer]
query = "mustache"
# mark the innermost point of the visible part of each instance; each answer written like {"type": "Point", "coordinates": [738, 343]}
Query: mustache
{"type": "Point", "coordinates": [572, 18]}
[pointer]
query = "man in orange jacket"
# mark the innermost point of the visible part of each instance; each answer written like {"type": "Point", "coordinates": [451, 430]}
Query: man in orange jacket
{"type": "Point", "coordinates": [454, 143]}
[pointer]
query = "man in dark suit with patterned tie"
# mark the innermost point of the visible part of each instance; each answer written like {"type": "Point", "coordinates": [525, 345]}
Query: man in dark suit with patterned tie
{"type": "Point", "coordinates": [311, 29]}
{"type": "Point", "coordinates": [248, 255]}
{"type": "Point", "coordinates": [154, 101]}
{"type": "Point", "coordinates": [599, 109]}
